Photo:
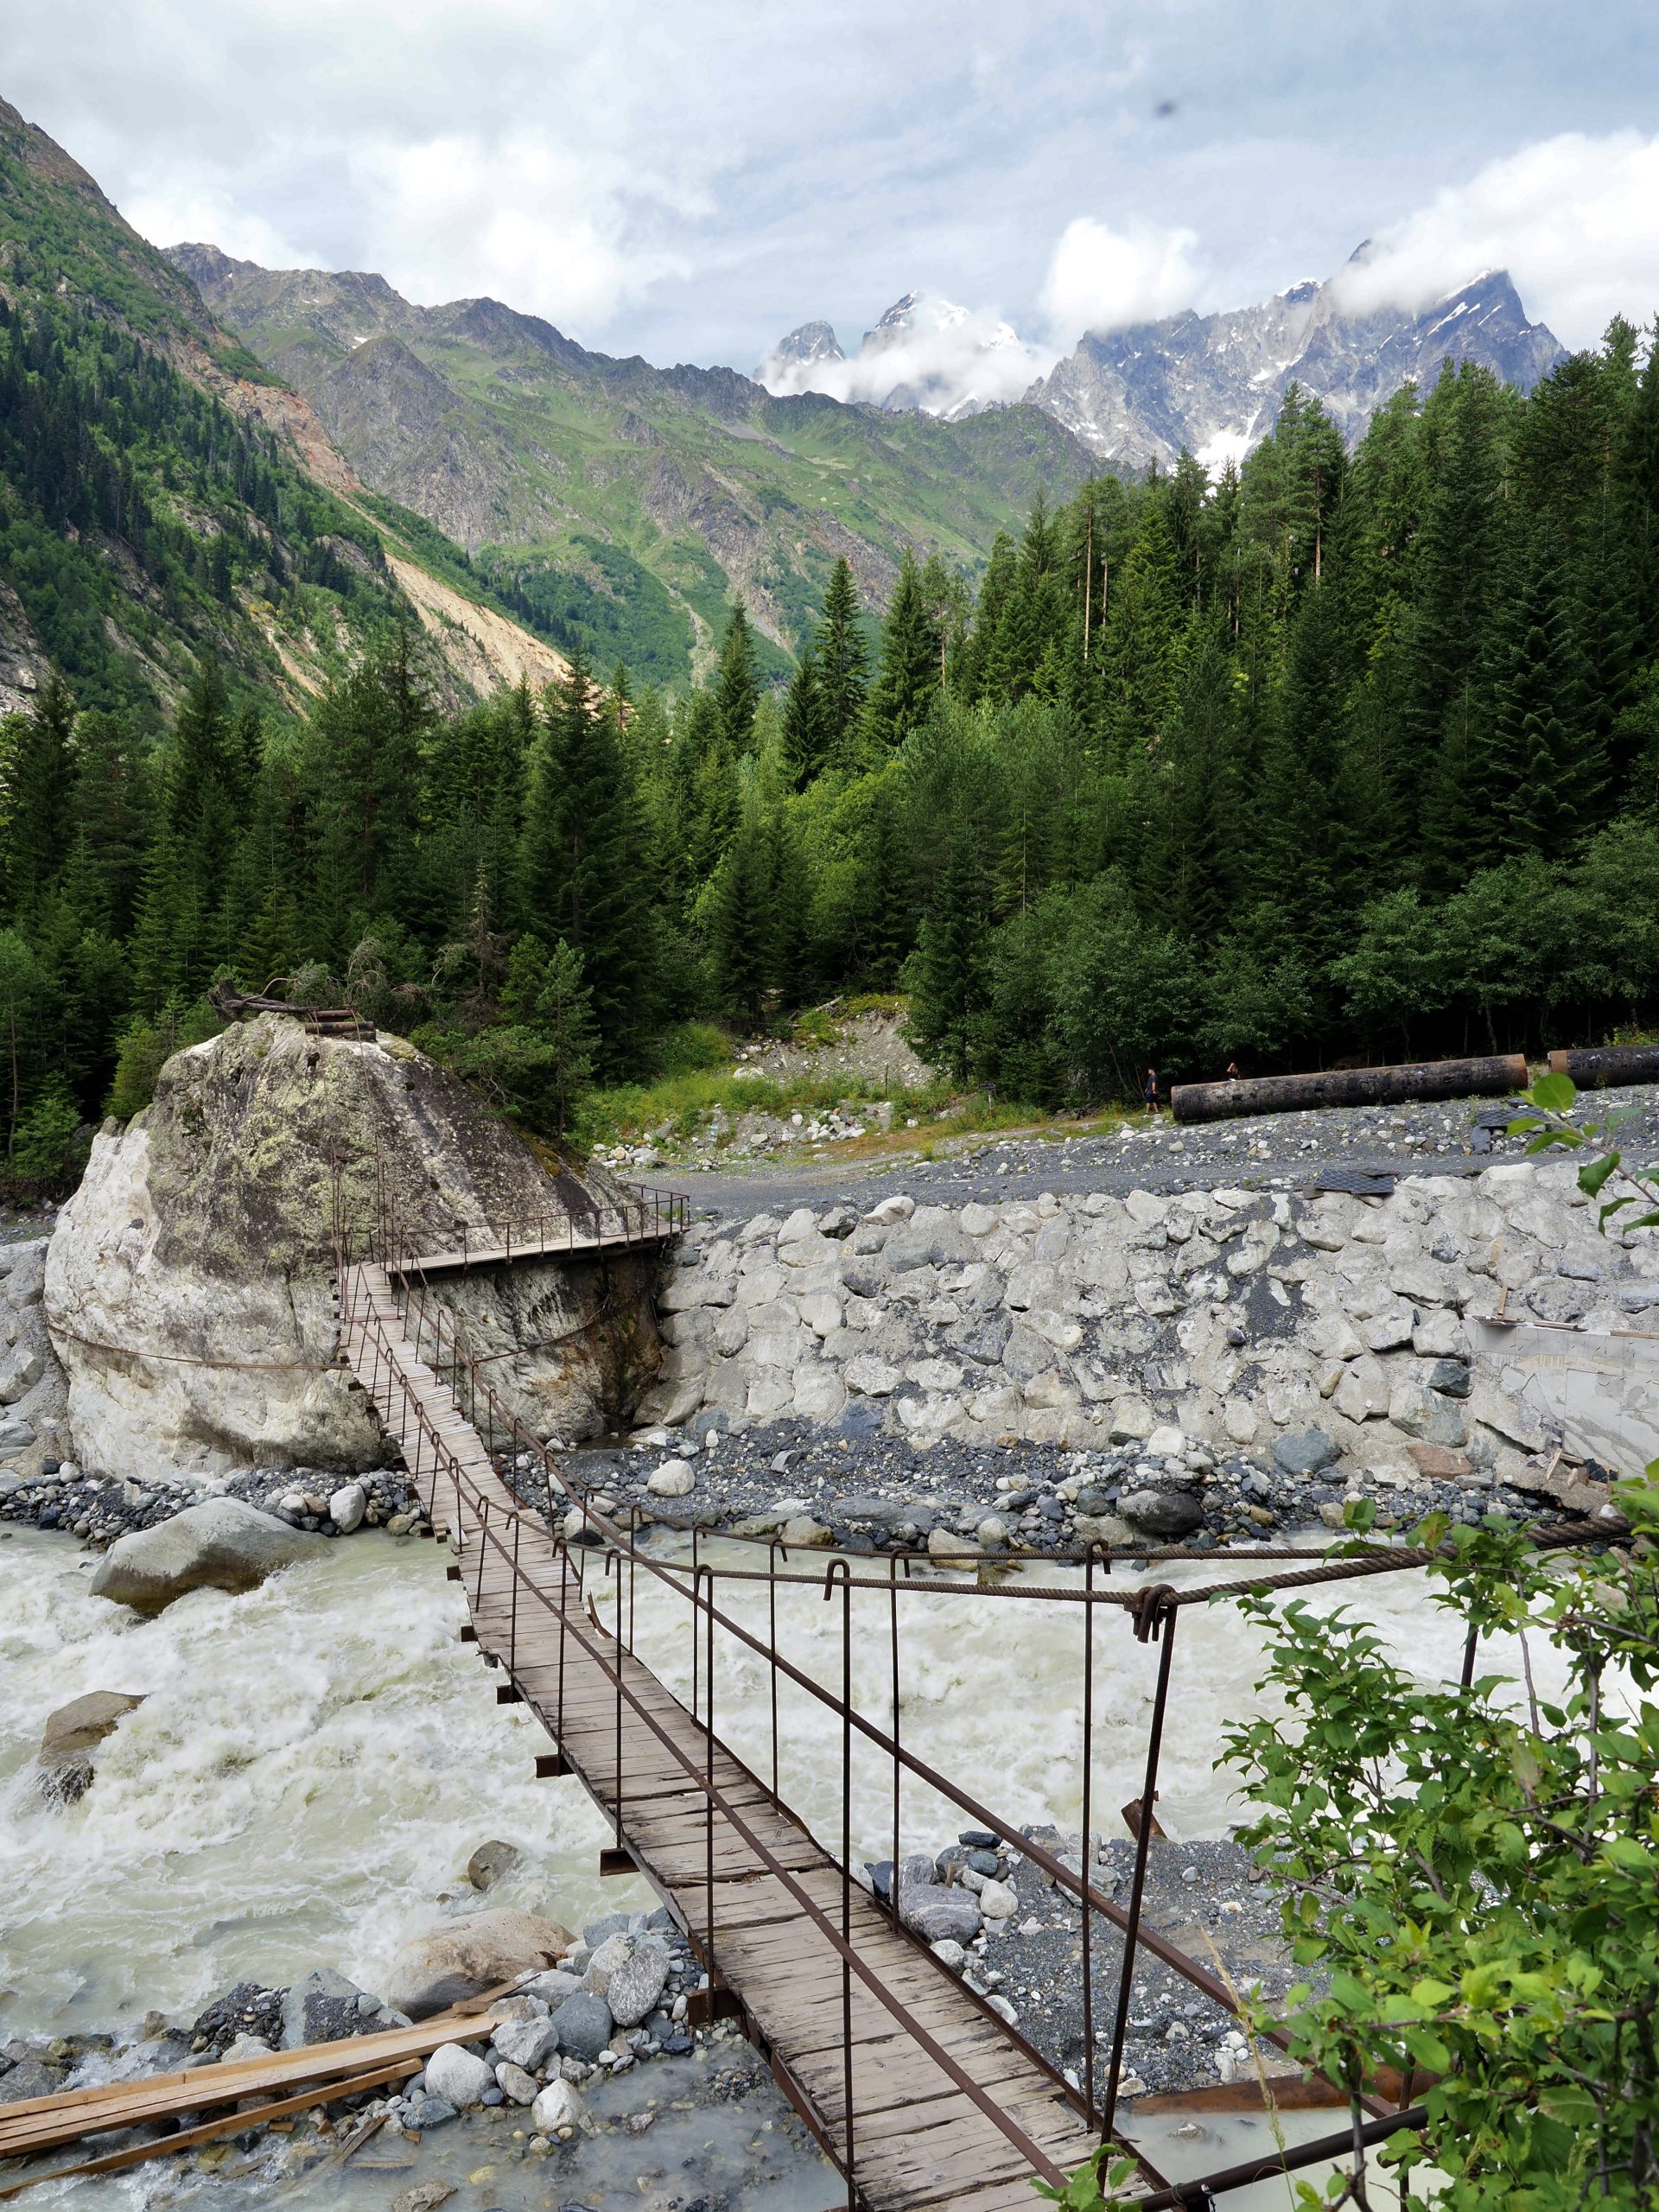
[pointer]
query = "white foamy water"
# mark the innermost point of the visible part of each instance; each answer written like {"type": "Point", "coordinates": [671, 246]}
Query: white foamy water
{"type": "Point", "coordinates": [990, 1692]}
{"type": "Point", "coordinates": [315, 1760]}
{"type": "Point", "coordinates": [312, 1765]}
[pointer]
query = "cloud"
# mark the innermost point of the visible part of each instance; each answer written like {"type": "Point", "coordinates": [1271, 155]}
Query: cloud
{"type": "Point", "coordinates": [523, 220]}
{"type": "Point", "coordinates": [943, 357]}
{"type": "Point", "coordinates": [1571, 218]}
{"type": "Point", "coordinates": [1102, 279]}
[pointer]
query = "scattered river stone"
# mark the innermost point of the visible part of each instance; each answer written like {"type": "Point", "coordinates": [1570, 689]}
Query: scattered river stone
{"type": "Point", "coordinates": [584, 2025]}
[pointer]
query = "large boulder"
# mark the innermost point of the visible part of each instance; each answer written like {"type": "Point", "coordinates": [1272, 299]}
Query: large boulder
{"type": "Point", "coordinates": [221, 1544]}
{"type": "Point", "coordinates": [189, 1282]}
{"type": "Point", "coordinates": [72, 1733]}
{"type": "Point", "coordinates": [467, 1957]}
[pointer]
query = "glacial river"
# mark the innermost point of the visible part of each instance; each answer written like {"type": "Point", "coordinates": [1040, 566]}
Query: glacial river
{"type": "Point", "coordinates": [316, 1760]}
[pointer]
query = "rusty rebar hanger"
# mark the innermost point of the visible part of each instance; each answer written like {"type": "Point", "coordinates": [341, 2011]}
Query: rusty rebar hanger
{"type": "Point", "coordinates": [1151, 1608]}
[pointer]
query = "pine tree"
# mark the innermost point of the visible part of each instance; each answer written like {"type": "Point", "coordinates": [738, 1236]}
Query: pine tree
{"type": "Point", "coordinates": [907, 677]}
{"type": "Point", "coordinates": [843, 665]}
{"type": "Point", "coordinates": [737, 686]}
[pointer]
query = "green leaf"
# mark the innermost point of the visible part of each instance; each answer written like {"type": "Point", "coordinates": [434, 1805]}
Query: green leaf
{"type": "Point", "coordinates": [1625, 1851]}
{"type": "Point", "coordinates": [1551, 1093]}
{"type": "Point", "coordinates": [1592, 1176]}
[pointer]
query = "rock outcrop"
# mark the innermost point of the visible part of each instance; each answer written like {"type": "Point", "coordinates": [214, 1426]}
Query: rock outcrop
{"type": "Point", "coordinates": [1358, 1328]}
{"type": "Point", "coordinates": [34, 1391]}
{"type": "Point", "coordinates": [189, 1288]}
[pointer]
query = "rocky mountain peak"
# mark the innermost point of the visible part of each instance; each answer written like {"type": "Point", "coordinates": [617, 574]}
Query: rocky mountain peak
{"type": "Point", "coordinates": [812, 342]}
{"type": "Point", "coordinates": [1213, 383]}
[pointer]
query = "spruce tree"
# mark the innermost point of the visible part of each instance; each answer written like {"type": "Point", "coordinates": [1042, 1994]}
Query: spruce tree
{"type": "Point", "coordinates": [843, 665]}
{"type": "Point", "coordinates": [790, 950]}
{"type": "Point", "coordinates": [38, 777]}
{"type": "Point", "coordinates": [1192, 862]}
{"type": "Point", "coordinates": [740, 911]}
{"type": "Point", "coordinates": [908, 676]}
{"type": "Point", "coordinates": [1547, 763]}
{"type": "Point", "coordinates": [1302, 849]}
{"type": "Point", "coordinates": [947, 971]}
{"type": "Point", "coordinates": [181, 937]}
{"type": "Point", "coordinates": [805, 748]}
{"type": "Point", "coordinates": [111, 806]}
{"type": "Point", "coordinates": [737, 686]}
{"type": "Point", "coordinates": [580, 871]}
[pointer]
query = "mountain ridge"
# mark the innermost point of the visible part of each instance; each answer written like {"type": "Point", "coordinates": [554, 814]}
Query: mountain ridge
{"type": "Point", "coordinates": [175, 533]}
{"type": "Point", "coordinates": [628, 500]}
{"type": "Point", "coordinates": [1211, 383]}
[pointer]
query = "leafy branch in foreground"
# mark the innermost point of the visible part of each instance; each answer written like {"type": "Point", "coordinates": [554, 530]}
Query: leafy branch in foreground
{"type": "Point", "coordinates": [1548, 1124]}
{"type": "Point", "coordinates": [1474, 1875]}
{"type": "Point", "coordinates": [1470, 1878]}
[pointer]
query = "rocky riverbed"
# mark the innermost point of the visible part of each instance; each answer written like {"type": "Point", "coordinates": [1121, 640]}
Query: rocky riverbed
{"type": "Point", "coordinates": [596, 2043]}
{"type": "Point", "coordinates": [789, 1480]}
{"type": "Point", "coordinates": [99, 1509]}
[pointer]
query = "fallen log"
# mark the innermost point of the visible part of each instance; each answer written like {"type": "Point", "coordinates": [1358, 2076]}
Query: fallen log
{"type": "Point", "coordinates": [1491, 1075]}
{"type": "Point", "coordinates": [1595, 1067]}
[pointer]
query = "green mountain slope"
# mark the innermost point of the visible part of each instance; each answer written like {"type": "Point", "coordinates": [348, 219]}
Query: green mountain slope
{"type": "Point", "coordinates": [621, 503]}
{"type": "Point", "coordinates": [164, 498]}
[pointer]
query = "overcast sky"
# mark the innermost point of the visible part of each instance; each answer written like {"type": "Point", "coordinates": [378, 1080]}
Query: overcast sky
{"type": "Point", "coordinates": [689, 180]}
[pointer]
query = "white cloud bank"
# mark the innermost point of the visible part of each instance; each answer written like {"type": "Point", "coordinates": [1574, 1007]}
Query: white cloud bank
{"type": "Point", "coordinates": [1573, 218]}
{"type": "Point", "coordinates": [1104, 279]}
{"type": "Point", "coordinates": [946, 359]}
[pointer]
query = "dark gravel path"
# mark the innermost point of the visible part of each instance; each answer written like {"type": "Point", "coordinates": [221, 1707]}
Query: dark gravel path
{"type": "Point", "coordinates": [1264, 1151]}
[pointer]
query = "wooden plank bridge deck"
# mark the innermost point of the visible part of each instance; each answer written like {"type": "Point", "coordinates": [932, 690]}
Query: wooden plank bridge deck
{"type": "Point", "coordinates": [919, 2139]}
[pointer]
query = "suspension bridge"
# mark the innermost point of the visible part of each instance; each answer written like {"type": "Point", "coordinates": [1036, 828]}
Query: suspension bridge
{"type": "Point", "coordinates": [919, 2090]}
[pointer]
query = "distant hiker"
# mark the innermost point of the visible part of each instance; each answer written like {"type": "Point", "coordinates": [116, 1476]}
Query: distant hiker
{"type": "Point", "coordinates": [1149, 1090]}
{"type": "Point", "coordinates": [1232, 1071]}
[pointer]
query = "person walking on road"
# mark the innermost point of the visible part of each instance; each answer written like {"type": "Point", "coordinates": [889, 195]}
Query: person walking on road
{"type": "Point", "coordinates": [1149, 1092]}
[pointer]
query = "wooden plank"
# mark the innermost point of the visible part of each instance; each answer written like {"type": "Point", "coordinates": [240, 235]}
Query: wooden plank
{"type": "Point", "coordinates": [39, 2122]}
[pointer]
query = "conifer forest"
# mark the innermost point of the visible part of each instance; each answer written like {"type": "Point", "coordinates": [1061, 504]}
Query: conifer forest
{"type": "Point", "coordinates": [1338, 753]}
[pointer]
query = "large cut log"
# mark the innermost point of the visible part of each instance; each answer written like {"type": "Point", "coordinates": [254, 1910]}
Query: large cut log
{"type": "Point", "coordinates": [1491, 1076]}
{"type": "Point", "coordinates": [1594, 1068]}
